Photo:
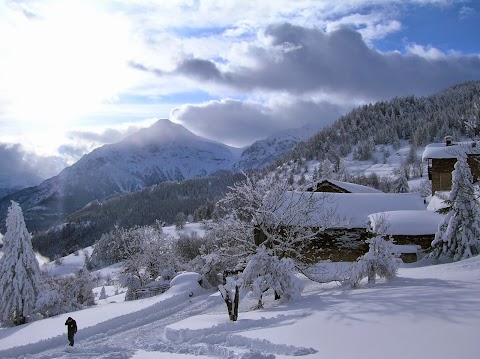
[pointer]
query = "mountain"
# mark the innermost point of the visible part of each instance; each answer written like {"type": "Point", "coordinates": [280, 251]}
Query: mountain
{"type": "Point", "coordinates": [264, 152]}
{"type": "Point", "coordinates": [163, 152]}
{"type": "Point", "coordinates": [160, 202]}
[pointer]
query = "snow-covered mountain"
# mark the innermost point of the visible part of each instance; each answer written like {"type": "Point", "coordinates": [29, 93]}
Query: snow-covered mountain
{"type": "Point", "coordinates": [263, 152]}
{"type": "Point", "coordinates": [163, 152]}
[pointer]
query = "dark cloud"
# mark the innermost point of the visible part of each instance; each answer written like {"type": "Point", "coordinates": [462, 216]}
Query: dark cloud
{"type": "Point", "coordinates": [19, 168]}
{"type": "Point", "coordinates": [201, 69]}
{"type": "Point", "coordinates": [239, 123]}
{"type": "Point", "coordinates": [305, 60]}
{"type": "Point", "coordinates": [341, 62]}
{"type": "Point", "coordinates": [83, 142]}
{"type": "Point", "coordinates": [73, 151]}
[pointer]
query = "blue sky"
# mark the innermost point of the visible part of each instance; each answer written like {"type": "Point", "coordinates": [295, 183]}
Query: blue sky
{"type": "Point", "coordinates": [76, 75]}
{"type": "Point", "coordinates": [452, 27]}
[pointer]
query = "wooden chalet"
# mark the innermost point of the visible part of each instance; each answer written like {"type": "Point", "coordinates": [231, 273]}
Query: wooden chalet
{"type": "Point", "coordinates": [345, 240]}
{"type": "Point", "coordinates": [412, 230]}
{"type": "Point", "coordinates": [441, 158]}
{"type": "Point", "coordinates": [334, 186]}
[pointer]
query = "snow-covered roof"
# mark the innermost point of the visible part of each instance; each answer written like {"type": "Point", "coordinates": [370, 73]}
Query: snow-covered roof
{"type": "Point", "coordinates": [437, 201]}
{"type": "Point", "coordinates": [354, 188]}
{"type": "Point", "coordinates": [407, 222]}
{"type": "Point", "coordinates": [353, 209]}
{"type": "Point", "coordinates": [440, 150]}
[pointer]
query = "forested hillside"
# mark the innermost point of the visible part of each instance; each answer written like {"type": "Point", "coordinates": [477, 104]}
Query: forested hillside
{"type": "Point", "coordinates": [161, 202]}
{"type": "Point", "coordinates": [419, 120]}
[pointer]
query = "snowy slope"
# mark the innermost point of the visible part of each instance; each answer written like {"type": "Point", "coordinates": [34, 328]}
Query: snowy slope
{"type": "Point", "coordinates": [427, 312]}
{"type": "Point", "coordinates": [264, 152]}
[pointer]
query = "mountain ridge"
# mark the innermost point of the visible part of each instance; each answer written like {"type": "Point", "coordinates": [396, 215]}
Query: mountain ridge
{"type": "Point", "coordinates": [163, 152]}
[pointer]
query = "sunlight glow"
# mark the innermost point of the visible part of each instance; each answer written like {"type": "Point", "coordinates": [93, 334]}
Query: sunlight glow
{"type": "Point", "coordinates": [64, 63]}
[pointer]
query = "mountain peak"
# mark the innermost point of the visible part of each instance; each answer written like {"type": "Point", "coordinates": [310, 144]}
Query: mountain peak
{"type": "Point", "coordinates": [161, 131]}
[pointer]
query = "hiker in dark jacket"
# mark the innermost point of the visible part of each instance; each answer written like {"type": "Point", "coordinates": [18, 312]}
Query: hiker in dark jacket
{"type": "Point", "coordinates": [72, 329]}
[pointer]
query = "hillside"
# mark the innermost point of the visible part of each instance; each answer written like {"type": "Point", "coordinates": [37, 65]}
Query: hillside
{"type": "Point", "coordinates": [159, 202]}
{"type": "Point", "coordinates": [419, 121]}
{"type": "Point", "coordinates": [427, 312]}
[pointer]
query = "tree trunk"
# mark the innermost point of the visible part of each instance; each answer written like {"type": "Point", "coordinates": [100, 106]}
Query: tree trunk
{"type": "Point", "coordinates": [371, 273]}
{"type": "Point", "coordinates": [236, 300]}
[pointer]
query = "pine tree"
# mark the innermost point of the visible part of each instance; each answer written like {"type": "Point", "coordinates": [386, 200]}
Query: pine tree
{"type": "Point", "coordinates": [457, 236]}
{"type": "Point", "coordinates": [180, 220]}
{"type": "Point", "coordinates": [19, 271]}
{"type": "Point", "coordinates": [401, 185]}
{"type": "Point", "coordinates": [327, 169]}
{"type": "Point", "coordinates": [102, 295]}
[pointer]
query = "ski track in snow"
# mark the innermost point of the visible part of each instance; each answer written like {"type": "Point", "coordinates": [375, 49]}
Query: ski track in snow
{"type": "Point", "coordinates": [123, 336]}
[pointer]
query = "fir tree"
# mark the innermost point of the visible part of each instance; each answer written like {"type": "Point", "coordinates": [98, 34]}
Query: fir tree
{"type": "Point", "coordinates": [102, 295]}
{"type": "Point", "coordinates": [457, 236]}
{"type": "Point", "coordinates": [401, 185]}
{"type": "Point", "coordinates": [180, 220]}
{"type": "Point", "coordinates": [19, 271]}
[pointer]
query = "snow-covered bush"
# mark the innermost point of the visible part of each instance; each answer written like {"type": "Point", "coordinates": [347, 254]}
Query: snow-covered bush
{"type": "Point", "coordinates": [187, 246]}
{"type": "Point", "coordinates": [380, 260]}
{"type": "Point", "coordinates": [51, 300]}
{"type": "Point", "coordinates": [65, 294]}
{"type": "Point", "coordinates": [120, 244]}
{"type": "Point", "coordinates": [266, 271]}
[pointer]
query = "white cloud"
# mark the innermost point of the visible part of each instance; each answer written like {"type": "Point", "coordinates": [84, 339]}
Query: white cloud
{"type": "Point", "coordinates": [373, 26]}
{"type": "Point", "coordinates": [427, 52]}
{"type": "Point", "coordinates": [466, 12]}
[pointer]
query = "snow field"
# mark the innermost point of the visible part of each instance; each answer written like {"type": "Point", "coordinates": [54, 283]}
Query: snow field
{"type": "Point", "coordinates": [427, 312]}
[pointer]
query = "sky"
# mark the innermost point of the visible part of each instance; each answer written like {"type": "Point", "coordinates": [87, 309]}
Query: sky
{"type": "Point", "coordinates": [76, 75]}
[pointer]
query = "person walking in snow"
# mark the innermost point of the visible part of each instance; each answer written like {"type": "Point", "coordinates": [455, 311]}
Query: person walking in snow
{"type": "Point", "coordinates": [71, 329]}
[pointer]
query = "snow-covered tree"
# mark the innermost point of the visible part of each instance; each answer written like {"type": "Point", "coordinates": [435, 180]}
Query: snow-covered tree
{"type": "Point", "coordinates": [65, 294]}
{"type": "Point", "coordinates": [19, 271]}
{"type": "Point", "coordinates": [264, 211]}
{"type": "Point", "coordinates": [381, 259]}
{"type": "Point", "coordinates": [458, 235]}
{"type": "Point", "coordinates": [52, 299]}
{"type": "Point", "coordinates": [401, 185]}
{"type": "Point", "coordinates": [266, 271]}
{"type": "Point", "coordinates": [84, 287]}
{"type": "Point", "coordinates": [180, 220]}
{"type": "Point", "coordinates": [327, 169]}
{"type": "Point", "coordinates": [103, 294]}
